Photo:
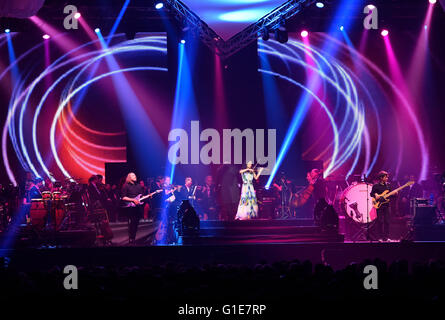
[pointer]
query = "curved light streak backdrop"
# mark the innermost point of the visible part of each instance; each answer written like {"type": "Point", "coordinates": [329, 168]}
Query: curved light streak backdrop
{"type": "Point", "coordinates": [348, 108]}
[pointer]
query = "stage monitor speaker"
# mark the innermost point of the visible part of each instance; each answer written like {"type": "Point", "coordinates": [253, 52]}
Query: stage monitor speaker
{"type": "Point", "coordinates": [114, 172]}
{"type": "Point", "coordinates": [425, 216]}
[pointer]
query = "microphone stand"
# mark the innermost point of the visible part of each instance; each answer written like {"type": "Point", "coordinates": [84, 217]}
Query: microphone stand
{"type": "Point", "coordinates": [365, 179]}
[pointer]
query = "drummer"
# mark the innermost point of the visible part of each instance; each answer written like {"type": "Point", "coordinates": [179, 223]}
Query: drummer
{"type": "Point", "coordinates": [31, 192]}
{"type": "Point", "coordinates": [49, 186]}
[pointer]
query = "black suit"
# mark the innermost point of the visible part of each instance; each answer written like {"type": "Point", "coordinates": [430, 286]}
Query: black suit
{"type": "Point", "coordinates": [134, 214]}
{"type": "Point", "coordinates": [187, 194]}
{"type": "Point", "coordinates": [207, 200]}
{"type": "Point", "coordinates": [381, 227]}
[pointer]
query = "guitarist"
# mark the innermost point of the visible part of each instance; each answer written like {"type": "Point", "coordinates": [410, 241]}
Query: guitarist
{"type": "Point", "coordinates": [383, 212]}
{"type": "Point", "coordinates": [130, 190]}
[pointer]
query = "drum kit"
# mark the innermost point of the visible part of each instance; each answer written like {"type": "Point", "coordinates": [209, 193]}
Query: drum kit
{"type": "Point", "coordinates": [357, 205]}
{"type": "Point", "coordinates": [48, 211]}
{"type": "Point", "coordinates": [54, 210]}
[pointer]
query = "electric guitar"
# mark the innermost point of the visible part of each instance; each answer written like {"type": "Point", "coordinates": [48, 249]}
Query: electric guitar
{"type": "Point", "coordinates": [384, 197]}
{"type": "Point", "coordinates": [141, 198]}
{"type": "Point", "coordinates": [172, 198]}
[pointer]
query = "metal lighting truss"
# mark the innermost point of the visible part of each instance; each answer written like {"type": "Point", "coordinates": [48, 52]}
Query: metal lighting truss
{"type": "Point", "coordinates": [225, 49]}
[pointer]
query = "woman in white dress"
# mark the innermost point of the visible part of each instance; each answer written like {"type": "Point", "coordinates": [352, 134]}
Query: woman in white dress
{"type": "Point", "coordinates": [248, 205]}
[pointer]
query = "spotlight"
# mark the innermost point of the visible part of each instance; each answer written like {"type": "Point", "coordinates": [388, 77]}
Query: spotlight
{"type": "Point", "coordinates": [385, 33]}
{"type": "Point", "coordinates": [281, 34]}
{"type": "Point", "coordinates": [433, 1]}
{"type": "Point", "coordinates": [46, 36]}
{"type": "Point", "coordinates": [304, 33]}
{"type": "Point", "coordinates": [7, 30]}
{"type": "Point", "coordinates": [97, 30]}
{"type": "Point", "coordinates": [320, 5]}
{"type": "Point", "coordinates": [371, 6]}
{"type": "Point", "coordinates": [183, 41]}
{"type": "Point", "coordinates": [342, 28]}
{"type": "Point", "coordinates": [159, 5]}
{"type": "Point", "coordinates": [77, 15]}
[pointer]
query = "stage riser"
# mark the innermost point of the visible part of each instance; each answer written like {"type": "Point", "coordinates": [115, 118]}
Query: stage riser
{"type": "Point", "coordinates": [26, 238]}
{"type": "Point", "coordinates": [256, 223]}
{"type": "Point", "coordinates": [429, 233]}
{"type": "Point", "coordinates": [262, 239]}
{"type": "Point", "coordinates": [247, 231]}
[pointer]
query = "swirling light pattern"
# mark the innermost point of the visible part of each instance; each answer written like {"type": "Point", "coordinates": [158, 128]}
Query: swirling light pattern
{"type": "Point", "coordinates": [78, 150]}
{"type": "Point", "coordinates": [356, 101]}
{"type": "Point", "coordinates": [349, 96]}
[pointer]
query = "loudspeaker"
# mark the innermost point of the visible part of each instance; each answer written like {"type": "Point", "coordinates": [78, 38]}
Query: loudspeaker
{"type": "Point", "coordinates": [425, 216]}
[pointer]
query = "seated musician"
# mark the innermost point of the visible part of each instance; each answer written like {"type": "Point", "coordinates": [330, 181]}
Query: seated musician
{"type": "Point", "coordinates": [32, 191]}
{"type": "Point", "coordinates": [300, 199]}
{"type": "Point", "coordinates": [207, 199]}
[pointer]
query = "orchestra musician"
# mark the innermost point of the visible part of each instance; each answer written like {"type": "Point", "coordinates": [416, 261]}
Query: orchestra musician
{"type": "Point", "coordinates": [32, 191]}
{"type": "Point", "coordinates": [188, 191]}
{"type": "Point", "coordinates": [130, 190]}
{"type": "Point", "coordinates": [207, 199]}
{"type": "Point", "coordinates": [300, 199]}
{"type": "Point", "coordinates": [381, 228]}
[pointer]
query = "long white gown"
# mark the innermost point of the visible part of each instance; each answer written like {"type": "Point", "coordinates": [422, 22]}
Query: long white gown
{"type": "Point", "coordinates": [248, 204]}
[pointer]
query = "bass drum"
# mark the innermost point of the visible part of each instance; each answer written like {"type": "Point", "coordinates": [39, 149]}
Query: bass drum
{"type": "Point", "coordinates": [357, 203]}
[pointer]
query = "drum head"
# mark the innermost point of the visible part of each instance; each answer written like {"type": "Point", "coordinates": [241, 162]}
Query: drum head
{"type": "Point", "coordinates": [357, 203]}
{"type": "Point", "coordinates": [46, 195]}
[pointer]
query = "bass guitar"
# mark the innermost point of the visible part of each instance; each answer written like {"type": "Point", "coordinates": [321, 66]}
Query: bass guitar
{"type": "Point", "coordinates": [140, 198]}
{"type": "Point", "coordinates": [384, 197]}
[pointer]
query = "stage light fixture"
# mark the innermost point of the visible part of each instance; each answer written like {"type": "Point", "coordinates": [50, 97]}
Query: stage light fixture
{"type": "Point", "coordinates": [342, 28]}
{"type": "Point", "coordinates": [77, 16]}
{"type": "Point", "coordinates": [433, 1]}
{"type": "Point", "coordinates": [46, 36]}
{"type": "Point", "coordinates": [97, 30]}
{"type": "Point", "coordinates": [159, 5]}
{"type": "Point", "coordinates": [304, 33]}
{"type": "Point", "coordinates": [281, 34]}
{"type": "Point", "coordinates": [371, 6]}
{"type": "Point", "coordinates": [265, 34]}
{"type": "Point", "coordinates": [7, 30]}
{"type": "Point", "coordinates": [385, 33]}
{"type": "Point", "coordinates": [320, 5]}
{"type": "Point", "coordinates": [183, 41]}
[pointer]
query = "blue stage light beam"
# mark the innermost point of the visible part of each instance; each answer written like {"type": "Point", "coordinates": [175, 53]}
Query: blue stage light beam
{"type": "Point", "coordinates": [16, 87]}
{"type": "Point", "coordinates": [137, 121]}
{"type": "Point", "coordinates": [176, 108]}
{"type": "Point", "coordinates": [184, 109]}
{"type": "Point", "coordinates": [117, 22]}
